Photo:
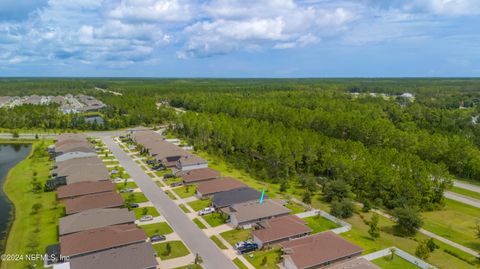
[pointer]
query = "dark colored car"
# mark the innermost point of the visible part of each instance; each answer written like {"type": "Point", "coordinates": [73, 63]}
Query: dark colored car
{"type": "Point", "coordinates": [150, 161]}
{"type": "Point", "coordinates": [247, 248]}
{"type": "Point", "coordinates": [157, 238]}
{"type": "Point", "coordinates": [134, 205]}
{"type": "Point", "coordinates": [175, 184]}
{"type": "Point", "coordinates": [168, 176]}
{"type": "Point", "coordinates": [158, 167]}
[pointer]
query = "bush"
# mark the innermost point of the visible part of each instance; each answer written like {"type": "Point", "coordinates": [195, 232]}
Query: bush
{"type": "Point", "coordinates": [343, 208]}
{"type": "Point", "coordinates": [408, 221]}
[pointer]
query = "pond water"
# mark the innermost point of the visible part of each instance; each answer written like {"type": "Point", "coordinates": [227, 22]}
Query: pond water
{"type": "Point", "coordinates": [10, 155]}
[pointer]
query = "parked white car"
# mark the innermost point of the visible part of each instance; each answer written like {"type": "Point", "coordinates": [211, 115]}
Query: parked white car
{"type": "Point", "coordinates": [206, 211]}
{"type": "Point", "coordinates": [146, 218]}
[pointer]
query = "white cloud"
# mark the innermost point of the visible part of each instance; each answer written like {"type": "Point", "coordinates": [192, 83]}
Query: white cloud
{"type": "Point", "coordinates": [103, 32]}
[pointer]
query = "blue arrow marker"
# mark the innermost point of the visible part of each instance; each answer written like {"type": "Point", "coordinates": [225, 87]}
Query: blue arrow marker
{"type": "Point", "coordinates": [261, 197]}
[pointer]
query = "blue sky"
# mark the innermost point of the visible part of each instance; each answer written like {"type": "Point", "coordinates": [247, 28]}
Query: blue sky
{"type": "Point", "coordinates": [235, 38]}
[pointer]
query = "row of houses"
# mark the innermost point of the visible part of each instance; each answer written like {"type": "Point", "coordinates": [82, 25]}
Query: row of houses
{"type": "Point", "coordinates": [97, 231]}
{"type": "Point", "coordinates": [272, 222]}
{"type": "Point", "coordinates": [68, 103]}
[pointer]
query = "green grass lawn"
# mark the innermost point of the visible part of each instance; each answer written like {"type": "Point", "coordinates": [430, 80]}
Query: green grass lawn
{"type": "Point", "coordinates": [199, 204]}
{"type": "Point", "coordinates": [359, 236]}
{"type": "Point", "coordinates": [185, 191]}
{"type": "Point", "coordinates": [131, 185]}
{"type": "Point", "coordinates": [296, 208]}
{"type": "Point", "coordinates": [257, 258]}
{"type": "Point", "coordinates": [456, 222]}
{"type": "Point", "coordinates": [199, 223]}
{"type": "Point", "coordinates": [157, 228]}
{"type": "Point", "coordinates": [319, 224]}
{"type": "Point", "coordinates": [190, 266]}
{"type": "Point", "coordinates": [184, 208]}
{"type": "Point", "coordinates": [172, 180]}
{"type": "Point", "coordinates": [237, 235]}
{"type": "Point", "coordinates": [134, 197]}
{"type": "Point", "coordinates": [396, 263]}
{"type": "Point", "coordinates": [214, 219]}
{"type": "Point", "coordinates": [178, 249]}
{"type": "Point", "coordinates": [111, 162]}
{"type": "Point", "coordinates": [151, 175]}
{"type": "Point", "coordinates": [239, 263]}
{"type": "Point", "coordinates": [170, 194]}
{"type": "Point", "coordinates": [31, 233]}
{"type": "Point", "coordinates": [472, 194]}
{"type": "Point", "coordinates": [217, 242]}
{"type": "Point", "coordinates": [150, 210]}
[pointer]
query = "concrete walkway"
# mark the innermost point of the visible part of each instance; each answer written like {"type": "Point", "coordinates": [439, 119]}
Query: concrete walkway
{"type": "Point", "coordinates": [466, 186]}
{"type": "Point", "coordinates": [193, 237]}
{"type": "Point", "coordinates": [462, 198]}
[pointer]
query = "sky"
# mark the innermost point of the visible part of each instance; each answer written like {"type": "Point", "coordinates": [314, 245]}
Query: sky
{"type": "Point", "coordinates": [240, 38]}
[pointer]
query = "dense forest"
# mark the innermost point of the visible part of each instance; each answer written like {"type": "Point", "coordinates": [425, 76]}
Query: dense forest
{"type": "Point", "coordinates": [394, 141]}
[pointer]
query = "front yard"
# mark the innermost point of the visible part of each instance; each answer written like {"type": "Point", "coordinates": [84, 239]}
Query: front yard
{"type": "Point", "coordinates": [200, 204]}
{"type": "Point", "coordinates": [264, 258]}
{"type": "Point", "coordinates": [157, 228]}
{"type": "Point", "coordinates": [177, 249]}
{"type": "Point", "coordinates": [185, 191]}
{"type": "Point", "coordinates": [237, 235]}
{"type": "Point", "coordinates": [143, 211]}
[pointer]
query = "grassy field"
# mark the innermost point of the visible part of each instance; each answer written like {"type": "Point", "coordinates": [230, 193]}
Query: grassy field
{"type": "Point", "coordinates": [359, 233]}
{"type": "Point", "coordinates": [150, 210]}
{"type": "Point", "coordinates": [395, 263]}
{"type": "Point", "coordinates": [472, 194]}
{"type": "Point", "coordinates": [237, 235]}
{"type": "Point", "coordinates": [131, 185]}
{"type": "Point", "coordinates": [218, 242]}
{"type": "Point", "coordinates": [178, 249]}
{"type": "Point", "coordinates": [214, 219]}
{"type": "Point", "coordinates": [239, 263]}
{"type": "Point", "coordinates": [456, 222]}
{"type": "Point", "coordinates": [157, 228]}
{"type": "Point", "coordinates": [319, 224]}
{"type": "Point", "coordinates": [296, 208]}
{"type": "Point", "coordinates": [170, 194]}
{"type": "Point", "coordinates": [184, 208]}
{"type": "Point", "coordinates": [257, 258]}
{"type": "Point", "coordinates": [31, 233]}
{"type": "Point", "coordinates": [135, 197]}
{"type": "Point", "coordinates": [199, 204]}
{"type": "Point", "coordinates": [190, 266]}
{"type": "Point", "coordinates": [199, 223]}
{"type": "Point", "coordinates": [185, 191]}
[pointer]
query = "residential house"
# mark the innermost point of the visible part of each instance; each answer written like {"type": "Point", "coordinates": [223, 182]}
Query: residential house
{"type": "Point", "coordinates": [355, 263]}
{"type": "Point", "coordinates": [95, 240]}
{"type": "Point", "coordinates": [84, 188]}
{"type": "Point", "coordinates": [235, 196]}
{"type": "Point", "coordinates": [246, 214]}
{"type": "Point", "coordinates": [198, 175]}
{"type": "Point", "coordinates": [318, 251]}
{"type": "Point", "coordinates": [74, 155]}
{"type": "Point", "coordinates": [280, 229]}
{"type": "Point", "coordinates": [191, 162]}
{"type": "Point", "coordinates": [137, 256]}
{"type": "Point", "coordinates": [211, 187]}
{"type": "Point", "coordinates": [95, 218]}
{"type": "Point", "coordinates": [99, 200]}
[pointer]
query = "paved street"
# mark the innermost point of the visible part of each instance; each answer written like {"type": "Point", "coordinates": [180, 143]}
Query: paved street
{"type": "Point", "coordinates": [466, 186]}
{"type": "Point", "coordinates": [462, 198]}
{"type": "Point", "coordinates": [193, 237]}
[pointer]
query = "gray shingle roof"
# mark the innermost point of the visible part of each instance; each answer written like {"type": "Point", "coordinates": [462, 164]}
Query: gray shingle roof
{"type": "Point", "coordinates": [95, 218]}
{"type": "Point", "coordinates": [235, 196]}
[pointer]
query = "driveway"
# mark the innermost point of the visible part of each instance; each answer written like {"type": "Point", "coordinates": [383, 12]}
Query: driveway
{"type": "Point", "coordinates": [462, 198]}
{"type": "Point", "coordinates": [466, 186]}
{"type": "Point", "coordinates": [193, 237]}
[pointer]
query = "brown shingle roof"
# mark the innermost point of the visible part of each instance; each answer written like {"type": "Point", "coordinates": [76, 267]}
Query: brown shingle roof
{"type": "Point", "coordinates": [83, 146]}
{"type": "Point", "coordinates": [88, 173]}
{"type": "Point", "coordinates": [202, 174]}
{"type": "Point", "coordinates": [318, 249]}
{"type": "Point", "coordinates": [65, 167]}
{"type": "Point", "coordinates": [137, 256]}
{"type": "Point", "coordinates": [100, 200]}
{"type": "Point", "coordinates": [100, 239]}
{"type": "Point", "coordinates": [279, 228]}
{"type": "Point", "coordinates": [191, 160]}
{"type": "Point", "coordinates": [84, 188]}
{"type": "Point", "coordinates": [254, 210]}
{"type": "Point", "coordinates": [95, 218]}
{"type": "Point", "coordinates": [219, 185]}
